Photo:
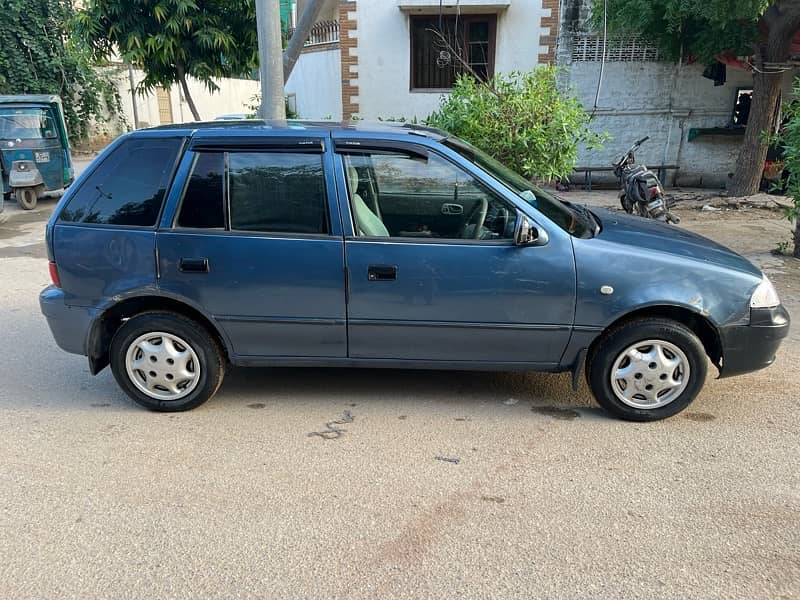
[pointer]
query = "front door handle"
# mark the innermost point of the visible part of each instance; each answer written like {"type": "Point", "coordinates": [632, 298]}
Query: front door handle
{"type": "Point", "coordinates": [193, 265]}
{"type": "Point", "coordinates": [382, 272]}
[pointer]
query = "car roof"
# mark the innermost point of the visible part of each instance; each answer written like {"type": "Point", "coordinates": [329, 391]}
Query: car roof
{"type": "Point", "coordinates": [301, 127]}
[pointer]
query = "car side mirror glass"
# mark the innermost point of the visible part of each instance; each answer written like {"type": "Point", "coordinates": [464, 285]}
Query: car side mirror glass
{"type": "Point", "coordinates": [527, 234]}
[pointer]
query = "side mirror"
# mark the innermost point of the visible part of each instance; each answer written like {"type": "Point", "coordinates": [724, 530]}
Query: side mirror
{"type": "Point", "coordinates": [528, 235]}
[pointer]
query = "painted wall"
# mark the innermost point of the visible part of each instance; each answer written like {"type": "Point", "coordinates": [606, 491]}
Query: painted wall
{"type": "Point", "coordinates": [664, 101]}
{"type": "Point", "coordinates": [384, 52]}
{"type": "Point", "coordinates": [233, 96]}
{"type": "Point", "coordinates": [659, 99]}
{"type": "Point", "coordinates": [316, 82]}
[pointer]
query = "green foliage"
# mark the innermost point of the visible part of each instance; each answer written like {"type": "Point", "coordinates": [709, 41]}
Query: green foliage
{"type": "Point", "coordinates": [37, 56]}
{"type": "Point", "coordinates": [169, 39]}
{"type": "Point", "coordinates": [523, 120]}
{"type": "Point", "coordinates": [702, 28]}
{"type": "Point", "coordinates": [255, 105]}
{"type": "Point", "coordinates": [789, 138]}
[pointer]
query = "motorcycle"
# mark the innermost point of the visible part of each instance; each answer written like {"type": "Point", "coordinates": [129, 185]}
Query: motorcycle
{"type": "Point", "coordinates": [641, 191]}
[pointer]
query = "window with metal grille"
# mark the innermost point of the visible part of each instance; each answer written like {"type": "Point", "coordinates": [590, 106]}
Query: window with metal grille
{"type": "Point", "coordinates": [589, 48]}
{"type": "Point", "coordinates": [440, 47]}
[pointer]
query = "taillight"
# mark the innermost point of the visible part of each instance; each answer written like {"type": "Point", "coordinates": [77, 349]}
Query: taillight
{"type": "Point", "coordinates": [54, 274]}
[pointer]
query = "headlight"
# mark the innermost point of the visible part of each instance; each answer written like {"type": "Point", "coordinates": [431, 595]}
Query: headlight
{"type": "Point", "coordinates": [765, 295]}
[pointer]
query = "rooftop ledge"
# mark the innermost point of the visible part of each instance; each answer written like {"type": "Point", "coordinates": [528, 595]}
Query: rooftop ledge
{"type": "Point", "coordinates": [449, 6]}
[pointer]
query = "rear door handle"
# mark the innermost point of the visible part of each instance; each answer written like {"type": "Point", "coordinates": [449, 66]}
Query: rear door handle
{"type": "Point", "coordinates": [193, 265]}
{"type": "Point", "coordinates": [382, 272]}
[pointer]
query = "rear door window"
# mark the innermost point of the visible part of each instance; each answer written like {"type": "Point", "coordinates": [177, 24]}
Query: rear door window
{"type": "Point", "coordinates": [265, 192]}
{"type": "Point", "coordinates": [203, 205]}
{"type": "Point", "coordinates": [128, 187]}
{"type": "Point", "coordinates": [276, 192]}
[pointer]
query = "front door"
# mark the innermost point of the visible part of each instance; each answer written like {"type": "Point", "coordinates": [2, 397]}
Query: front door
{"type": "Point", "coordinates": [253, 245]}
{"type": "Point", "coordinates": [434, 274]}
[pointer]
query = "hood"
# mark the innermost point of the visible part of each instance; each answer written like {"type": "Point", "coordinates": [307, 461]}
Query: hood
{"type": "Point", "coordinates": [637, 232]}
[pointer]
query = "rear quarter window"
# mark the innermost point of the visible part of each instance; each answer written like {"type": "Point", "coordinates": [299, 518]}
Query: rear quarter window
{"type": "Point", "coordinates": [128, 187]}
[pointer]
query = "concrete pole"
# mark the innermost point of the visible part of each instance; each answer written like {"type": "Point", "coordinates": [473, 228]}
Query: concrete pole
{"type": "Point", "coordinates": [270, 60]}
{"type": "Point", "coordinates": [133, 97]}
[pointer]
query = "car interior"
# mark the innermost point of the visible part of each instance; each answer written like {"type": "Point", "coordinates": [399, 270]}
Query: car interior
{"type": "Point", "coordinates": [397, 195]}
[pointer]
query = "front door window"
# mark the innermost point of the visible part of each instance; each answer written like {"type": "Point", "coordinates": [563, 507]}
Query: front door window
{"type": "Point", "coordinates": [400, 195]}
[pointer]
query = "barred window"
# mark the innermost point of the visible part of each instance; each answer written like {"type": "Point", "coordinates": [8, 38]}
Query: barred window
{"type": "Point", "coordinates": [588, 47]}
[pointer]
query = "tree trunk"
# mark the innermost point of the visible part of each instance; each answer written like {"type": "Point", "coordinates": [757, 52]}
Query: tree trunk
{"type": "Point", "coordinates": [753, 151]}
{"type": "Point", "coordinates": [779, 24]}
{"type": "Point", "coordinates": [797, 238]}
{"type": "Point", "coordinates": [185, 87]}
{"type": "Point", "coordinates": [300, 35]}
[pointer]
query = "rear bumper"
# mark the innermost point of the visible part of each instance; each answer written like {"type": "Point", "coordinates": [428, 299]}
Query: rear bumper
{"type": "Point", "coordinates": [69, 324]}
{"type": "Point", "coordinates": [747, 348]}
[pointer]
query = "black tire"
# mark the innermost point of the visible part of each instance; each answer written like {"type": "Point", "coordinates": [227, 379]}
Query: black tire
{"type": "Point", "coordinates": [209, 354]}
{"type": "Point", "coordinates": [27, 198]}
{"type": "Point", "coordinates": [617, 340]}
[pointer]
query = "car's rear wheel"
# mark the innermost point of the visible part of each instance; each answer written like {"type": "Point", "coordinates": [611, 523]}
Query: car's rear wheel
{"type": "Point", "coordinates": [647, 369]}
{"type": "Point", "coordinates": [166, 362]}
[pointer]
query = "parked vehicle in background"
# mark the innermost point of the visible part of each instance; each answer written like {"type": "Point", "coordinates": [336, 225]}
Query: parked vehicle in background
{"type": "Point", "coordinates": [184, 249]}
{"type": "Point", "coordinates": [641, 192]}
{"type": "Point", "coordinates": [234, 117]}
{"type": "Point", "coordinates": [34, 148]}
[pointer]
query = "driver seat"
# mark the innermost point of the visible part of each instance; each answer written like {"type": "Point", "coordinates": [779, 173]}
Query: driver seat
{"type": "Point", "coordinates": [367, 222]}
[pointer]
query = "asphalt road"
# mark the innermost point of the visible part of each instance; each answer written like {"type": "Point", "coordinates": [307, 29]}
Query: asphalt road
{"type": "Point", "coordinates": [444, 484]}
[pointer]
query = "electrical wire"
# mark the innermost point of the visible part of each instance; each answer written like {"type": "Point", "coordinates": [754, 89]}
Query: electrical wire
{"type": "Point", "coordinates": [775, 71]}
{"type": "Point", "coordinates": [602, 59]}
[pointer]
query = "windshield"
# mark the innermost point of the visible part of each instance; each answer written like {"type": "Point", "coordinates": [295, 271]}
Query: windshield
{"type": "Point", "coordinates": [28, 123]}
{"type": "Point", "coordinates": [577, 222]}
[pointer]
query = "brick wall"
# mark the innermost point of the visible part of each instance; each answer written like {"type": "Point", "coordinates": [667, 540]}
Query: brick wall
{"type": "Point", "coordinates": [348, 43]}
{"type": "Point", "coordinates": [549, 36]}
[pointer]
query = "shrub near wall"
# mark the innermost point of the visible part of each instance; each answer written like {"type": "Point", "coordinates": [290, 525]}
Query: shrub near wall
{"type": "Point", "coordinates": [522, 119]}
{"type": "Point", "coordinates": [790, 140]}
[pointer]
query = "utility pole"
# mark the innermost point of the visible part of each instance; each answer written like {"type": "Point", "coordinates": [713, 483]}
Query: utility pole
{"type": "Point", "coordinates": [270, 60]}
{"type": "Point", "coordinates": [133, 97]}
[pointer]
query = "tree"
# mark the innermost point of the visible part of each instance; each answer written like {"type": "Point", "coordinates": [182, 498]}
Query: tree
{"type": "Point", "coordinates": [705, 29]}
{"type": "Point", "coordinates": [173, 39]}
{"type": "Point", "coordinates": [37, 57]}
{"type": "Point", "coordinates": [523, 120]}
{"type": "Point", "coordinates": [789, 139]}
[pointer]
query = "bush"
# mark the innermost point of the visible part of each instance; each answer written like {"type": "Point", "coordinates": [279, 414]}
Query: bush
{"type": "Point", "coordinates": [789, 138]}
{"type": "Point", "coordinates": [523, 120]}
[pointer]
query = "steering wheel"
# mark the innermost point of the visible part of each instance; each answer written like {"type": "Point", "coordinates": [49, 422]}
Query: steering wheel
{"type": "Point", "coordinates": [480, 210]}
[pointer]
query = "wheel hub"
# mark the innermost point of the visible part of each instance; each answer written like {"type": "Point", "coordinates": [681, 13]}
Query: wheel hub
{"type": "Point", "coordinates": [650, 374]}
{"type": "Point", "coordinates": [162, 366]}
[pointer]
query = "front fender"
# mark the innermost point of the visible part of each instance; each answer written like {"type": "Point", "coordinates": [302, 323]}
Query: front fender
{"type": "Point", "coordinates": [614, 280]}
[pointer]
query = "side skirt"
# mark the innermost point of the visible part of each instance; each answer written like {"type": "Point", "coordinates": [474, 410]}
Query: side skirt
{"type": "Point", "coordinates": [375, 363]}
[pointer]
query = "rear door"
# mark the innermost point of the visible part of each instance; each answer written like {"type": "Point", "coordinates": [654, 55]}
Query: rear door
{"type": "Point", "coordinates": [255, 242]}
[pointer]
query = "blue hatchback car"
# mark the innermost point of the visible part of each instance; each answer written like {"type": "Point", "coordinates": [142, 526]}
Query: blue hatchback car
{"type": "Point", "coordinates": [184, 249]}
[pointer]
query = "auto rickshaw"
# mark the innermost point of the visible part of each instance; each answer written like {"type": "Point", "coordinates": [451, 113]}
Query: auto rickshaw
{"type": "Point", "coordinates": [34, 149]}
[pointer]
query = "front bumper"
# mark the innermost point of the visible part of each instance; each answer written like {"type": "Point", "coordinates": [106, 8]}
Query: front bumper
{"type": "Point", "coordinates": [70, 325]}
{"type": "Point", "coordinates": [751, 347]}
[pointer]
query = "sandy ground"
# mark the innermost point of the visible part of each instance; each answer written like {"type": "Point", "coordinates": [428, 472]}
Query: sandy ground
{"type": "Point", "coordinates": [445, 484]}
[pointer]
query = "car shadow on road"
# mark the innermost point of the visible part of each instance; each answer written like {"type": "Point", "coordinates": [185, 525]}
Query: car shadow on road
{"type": "Point", "coordinates": [388, 385]}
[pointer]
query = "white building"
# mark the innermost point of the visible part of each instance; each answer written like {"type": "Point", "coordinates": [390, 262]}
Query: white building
{"type": "Point", "coordinates": [386, 64]}
{"type": "Point", "coordinates": [389, 63]}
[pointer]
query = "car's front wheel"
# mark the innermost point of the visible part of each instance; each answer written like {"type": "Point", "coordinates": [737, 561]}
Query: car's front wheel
{"type": "Point", "coordinates": [647, 369]}
{"type": "Point", "coordinates": [166, 362]}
